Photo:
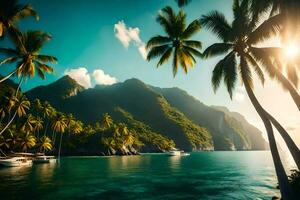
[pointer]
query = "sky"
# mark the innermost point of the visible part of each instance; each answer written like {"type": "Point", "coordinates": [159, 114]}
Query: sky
{"type": "Point", "coordinates": [103, 42]}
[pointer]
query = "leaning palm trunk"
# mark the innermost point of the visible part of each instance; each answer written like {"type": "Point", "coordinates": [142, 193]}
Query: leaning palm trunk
{"type": "Point", "coordinates": [8, 76]}
{"type": "Point", "coordinates": [287, 85]}
{"type": "Point", "coordinates": [59, 148]}
{"type": "Point", "coordinates": [10, 121]}
{"type": "Point", "coordinates": [285, 190]}
{"type": "Point", "coordinates": [287, 139]}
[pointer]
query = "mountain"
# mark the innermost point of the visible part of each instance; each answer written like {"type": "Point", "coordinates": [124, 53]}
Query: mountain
{"type": "Point", "coordinates": [253, 133]}
{"type": "Point", "coordinates": [171, 113]}
{"type": "Point", "coordinates": [61, 89]}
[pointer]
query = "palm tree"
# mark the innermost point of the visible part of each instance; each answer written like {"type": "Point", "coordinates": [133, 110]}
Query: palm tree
{"type": "Point", "coordinates": [21, 104]}
{"type": "Point", "coordinates": [177, 44]}
{"type": "Point", "coordinates": [59, 125]}
{"type": "Point", "coordinates": [44, 144]}
{"type": "Point", "coordinates": [29, 124]}
{"type": "Point", "coordinates": [11, 12]}
{"type": "Point", "coordinates": [106, 121]}
{"type": "Point", "coordinates": [38, 125]}
{"type": "Point", "coordinates": [236, 42]}
{"type": "Point", "coordinates": [27, 141]}
{"type": "Point", "coordinates": [13, 138]}
{"type": "Point", "coordinates": [27, 55]}
{"type": "Point", "coordinates": [48, 112]}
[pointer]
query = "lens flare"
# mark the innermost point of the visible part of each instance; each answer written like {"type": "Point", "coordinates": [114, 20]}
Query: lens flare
{"type": "Point", "coordinates": [291, 51]}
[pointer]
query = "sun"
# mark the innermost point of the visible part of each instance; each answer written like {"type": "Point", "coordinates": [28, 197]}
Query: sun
{"type": "Point", "coordinates": [291, 51]}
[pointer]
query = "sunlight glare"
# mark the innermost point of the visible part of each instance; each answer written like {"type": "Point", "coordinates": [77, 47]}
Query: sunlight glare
{"type": "Point", "coordinates": [291, 51]}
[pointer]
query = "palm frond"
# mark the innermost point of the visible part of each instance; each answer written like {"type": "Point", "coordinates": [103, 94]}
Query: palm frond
{"type": "Point", "coordinates": [230, 72]}
{"type": "Point", "coordinates": [157, 51]}
{"type": "Point", "coordinates": [26, 11]}
{"type": "Point", "coordinates": [46, 58]}
{"type": "Point", "coordinates": [165, 57]}
{"type": "Point", "coordinates": [158, 40]}
{"type": "Point", "coordinates": [292, 75]}
{"type": "Point", "coordinates": [266, 30]}
{"type": "Point", "coordinates": [182, 3]}
{"type": "Point", "coordinates": [175, 62]}
{"type": "Point", "coordinates": [245, 71]}
{"type": "Point", "coordinates": [217, 23]}
{"type": "Point", "coordinates": [192, 29]}
{"type": "Point", "coordinates": [8, 60]}
{"type": "Point", "coordinates": [217, 75]}
{"type": "Point", "coordinates": [193, 43]}
{"type": "Point", "coordinates": [8, 52]}
{"type": "Point", "coordinates": [256, 67]}
{"type": "Point", "coordinates": [217, 49]}
{"type": "Point", "coordinates": [193, 51]}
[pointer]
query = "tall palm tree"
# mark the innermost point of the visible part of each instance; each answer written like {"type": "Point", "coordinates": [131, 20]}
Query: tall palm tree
{"type": "Point", "coordinates": [38, 126]}
{"type": "Point", "coordinates": [11, 12]}
{"type": "Point", "coordinates": [26, 55]}
{"type": "Point", "coordinates": [21, 104]}
{"type": "Point", "coordinates": [59, 125]}
{"type": "Point", "coordinates": [44, 144]}
{"type": "Point", "coordinates": [177, 44]}
{"type": "Point", "coordinates": [48, 112]}
{"type": "Point", "coordinates": [238, 61]}
{"type": "Point", "coordinates": [13, 138]}
{"type": "Point", "coordinates": [27, 141]}
{"type": "Point", "coordinates": [106, 121]}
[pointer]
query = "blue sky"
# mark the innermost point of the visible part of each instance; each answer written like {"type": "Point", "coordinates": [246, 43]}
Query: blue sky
{"type": "Point", "coordinates": [84, 36]}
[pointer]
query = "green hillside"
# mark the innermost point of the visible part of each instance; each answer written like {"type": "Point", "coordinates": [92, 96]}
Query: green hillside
{"type": "Point", "coordinates": [171, 113]}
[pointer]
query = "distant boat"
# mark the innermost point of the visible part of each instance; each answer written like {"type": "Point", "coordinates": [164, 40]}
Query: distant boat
{"type": "Point", "coordinates": [15, 161]}
{"type": "Point", "coordinates": [44, 159]}
{"type": "Point", "coordinates": [177, 152]}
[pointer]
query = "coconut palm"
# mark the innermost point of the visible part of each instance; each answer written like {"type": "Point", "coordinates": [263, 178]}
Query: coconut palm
{"type": "Point", "coordinates": [21, 104]}
{"type": "Point", "coordinates": [27, 141]}
{"type": "Point", "coordinates": [44, 144]}
{"type": "Point", "coordinates": [11, 12]}
{"type": "Point", "coordinates": [237, 39]}
{"type": "Point", "coordinates": [106, 121]}
{"type": "Point", "coordinates": [77, 127]}
{"type": "Point", "coordinates": [38, 126]}
{"type": "Point", "coordinates": [28, 124]}
{"type": "Point", "coordinates": [177, 44]}
{"type": "Point", "coordinates": [13, 138]}
{"type": "Point", "coordinates": [4, 142]}
{"type": "Point", "coordinates": [27, 57]}
{"type": "Point", "coordinates": [48, 112]}
{"type": "Point", "coordinates": [59, 125]}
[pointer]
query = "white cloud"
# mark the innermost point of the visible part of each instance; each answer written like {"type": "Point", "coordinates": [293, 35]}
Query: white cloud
{"type": "Point", "coordinates": [102, 78]}
{"type": "Point", "coordinates": [80, 75]}
{"type": "Point", "coordinates": [130, 35]}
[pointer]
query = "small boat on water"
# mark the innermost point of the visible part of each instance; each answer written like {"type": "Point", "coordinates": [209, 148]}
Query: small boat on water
{"type": "Point", "coordinates": [44, 159]}
{"type": "Point", "coordinates": [15, 161]}
{"type": "Point", "coordinates": [177, 152]}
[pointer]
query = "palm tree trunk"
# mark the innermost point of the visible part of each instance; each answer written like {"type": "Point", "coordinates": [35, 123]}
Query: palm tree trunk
{"type": "Point", "coordinates": [12, 119]}
{"type": "Point", "coordinates": [61, 137]}
{"type": "Point", "coordinates": [288, 140]}
{"type": "Point", "coordinates": [8, 124]}
{"type": "Point", "coordinates": [285, 190]}
{"type": "Point", "coordinates": [287, 85]}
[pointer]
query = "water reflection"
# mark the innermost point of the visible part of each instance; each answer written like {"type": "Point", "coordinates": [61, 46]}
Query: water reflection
{"type": "Point", "coordinates": [175, 163]}
{"type": "Point", "coordinates": [44, 172]}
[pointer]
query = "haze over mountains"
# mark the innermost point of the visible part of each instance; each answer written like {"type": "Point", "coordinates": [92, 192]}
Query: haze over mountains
{"type": "Point", "coordinates": [171, 112]}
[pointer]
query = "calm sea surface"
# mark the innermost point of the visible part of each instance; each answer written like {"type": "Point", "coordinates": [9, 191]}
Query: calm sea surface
{"type": "Point", "coordinates": [203, 175]}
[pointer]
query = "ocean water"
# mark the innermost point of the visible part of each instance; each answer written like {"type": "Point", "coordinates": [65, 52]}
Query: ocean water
{"type": "Point", "coordinates": [202, 175]}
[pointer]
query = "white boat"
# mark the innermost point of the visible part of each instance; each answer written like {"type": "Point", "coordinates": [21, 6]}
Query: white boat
{"type": "Point", "coordinates": [44, 159]}
{"type": "Point", "coordinates": [174, 152]}
{"type": "Point", "coordinates": [15, 161]}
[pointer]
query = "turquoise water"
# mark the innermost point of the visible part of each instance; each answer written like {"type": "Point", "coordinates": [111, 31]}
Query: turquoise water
{"type": "Point", "coordinates": [203, 175]}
